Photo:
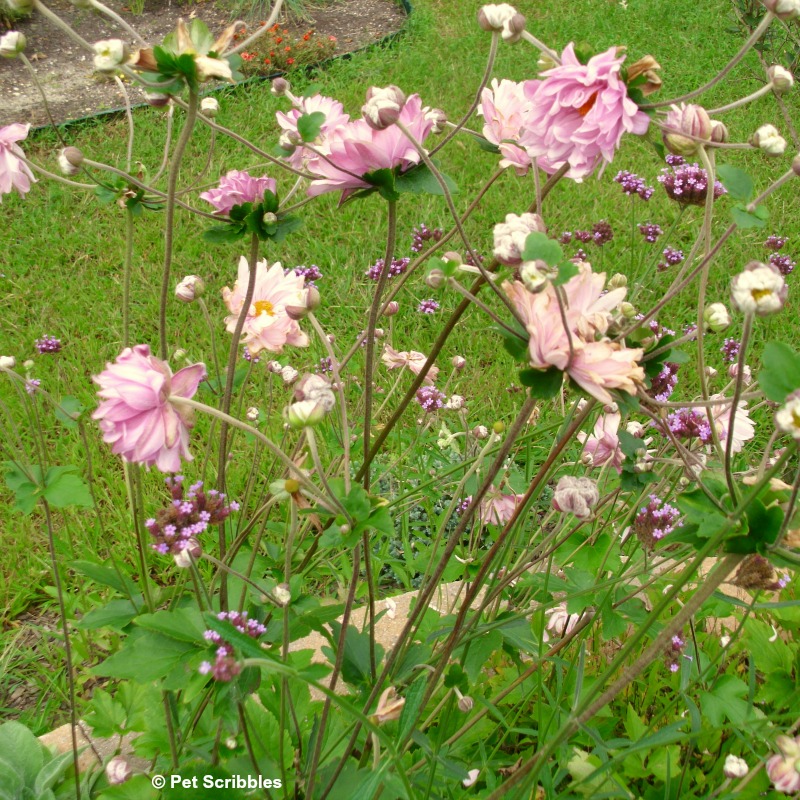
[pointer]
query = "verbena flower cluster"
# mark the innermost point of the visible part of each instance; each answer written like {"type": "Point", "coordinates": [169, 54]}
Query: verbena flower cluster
{"type": "Point", "coordinates": [48, 344]}
{"type": "Point", "coordinates": [655, 521]}
{"type": "Point", "coordinates": [422, 234]}
{"type": "Point", "coordinates": [397, 267]}
{"type": "Point", "coordinates": [632, 184]}
{"type": "Point", "coordinates": [687, 184]}
{"type": "Point", "coordinates": [225, 666]}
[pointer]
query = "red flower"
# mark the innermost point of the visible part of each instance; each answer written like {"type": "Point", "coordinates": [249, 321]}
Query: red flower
{"type": "Point", "coordinates": [290, 61]}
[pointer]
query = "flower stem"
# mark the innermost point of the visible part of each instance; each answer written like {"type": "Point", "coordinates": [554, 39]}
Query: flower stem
{"type": "Point", "coordinates": [126, 279]}
{"type": "Point", "coordinates": [737, 394]}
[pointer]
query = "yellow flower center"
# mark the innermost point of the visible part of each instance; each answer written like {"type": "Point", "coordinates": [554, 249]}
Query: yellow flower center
{"type": "Point", "coordinates": [265, 307]}
{"type": "Point", "coordinates": [759, 294]}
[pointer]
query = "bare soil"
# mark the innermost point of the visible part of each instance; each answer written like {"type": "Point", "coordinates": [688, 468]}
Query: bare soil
{"type": "Point", "coordinates": [74, 90]}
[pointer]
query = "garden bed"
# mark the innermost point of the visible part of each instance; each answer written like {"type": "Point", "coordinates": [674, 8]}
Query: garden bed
{"type": "Point", "coordinates": [74, 90]}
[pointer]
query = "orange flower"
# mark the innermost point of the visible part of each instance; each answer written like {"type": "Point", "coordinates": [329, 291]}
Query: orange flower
{"type": "Point", "coordinates": [278, 39]}
{"type": "Point", "coordinates": [290, 61]}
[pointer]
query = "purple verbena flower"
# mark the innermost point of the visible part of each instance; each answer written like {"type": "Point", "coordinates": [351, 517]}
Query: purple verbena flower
{"type": "Point", "coordinates": [730, 350]}
{"type": "Point", "coordinates": [311, 273]}
{"type": "Point", "coordinates": [398, 267]}
{"type": "Point", "coordinates": [783, 262]}
{"type": "Point", "coordinates": [581, 255]}
{"type": "Point", "coordinates": [463, 505]}
{"type": "Point", "coordinates": [675, 160]}
{"type": "Point", "coordinates": [48, 344]}
{"type": "Point", "coordinates": [774, 242]}
{"type": "Point", "coordinates": [650, 231]}
{"type": "Point", "coordinates": [248, 356]}
{"type": "Point", "coordinates": [429, 306]}
{"type": "Point", "coordinates": [583, 236]}
{"type": "Point", "coordinates": [632, 184]}
{"type": "Point", "coordinates": [31, 385]}
{"type": "Point", "coordinates": [655, 521]}
{"type": "Point", "coordinates": [565, 237]}
{"type": "Point", "coordinates": [663, 384]}
{"type": "Point", "coordinates": [323, 366]}
{"type": "Point", "coordinates": [687, 184]}
{"type": "Point", "coordinates": [602, 232]}
{"type": "Point", "coordinates": [430, 398]}
{"type": "Point", "coordinates": [424, 234]}
{"type": "Point", "coordinates": [686, 423]}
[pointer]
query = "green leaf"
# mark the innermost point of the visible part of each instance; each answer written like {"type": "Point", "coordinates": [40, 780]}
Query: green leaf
{"type": "Point", "coordinates": [28, 755]}
{"type": "Point", "coordinates": [51, 773]}
{"type": "Point", "coordinates": [725, 702]}
{"type": "Point", "coordinates": [566, 271]}
{"type": "Point", "coordinates": [414, 695]}
{"type": "Point", "coordinates": [149, 658]}
{"type": "Point", "coordinates": [355, 663]}
{"type": "Point", "coordinates": [516, 345]}
{"type": "Point", "coordinates": [105, 576]}
{"type": "Point", "coordinates": [26, 491]}
{"type": "Point", "coordinates": [738, 183]}
{"type": "Point", "coordinates": [420, 180]}
{"type": "Point", "coordinates": [542, 384]}
{"type": "Point", "coordinates": [540, 247]}
{"type": "Point", "coordinates": [137, 788]}
{"type": "Point", "coordinates": [285, 226]}
{"type": "Point", "coordinates": [225, 234]}
{"type": "Point", "coordinates": [63, 489]}
{"type": "Point", "coordinates": [116, 614]}
{"type": "Point", "coordinates": [106, 716]}
{"type": "Point", "coordinates": [384, 181]}
{"type": "Point", "coordinates": [183, 624]}
{"type": "Point", "coordinates": [781, 373]}
{"type": "Point", "coordinates": [745, 219]}
{"type": "Point", "coordinates": [309, 125]}
{"type": "Point", "coordinates": [69, 410]}
{"type": "Point", "coordinates": [485, 144]}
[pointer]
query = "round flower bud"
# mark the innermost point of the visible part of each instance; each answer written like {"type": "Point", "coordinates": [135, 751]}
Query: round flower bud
{"type": "Point", "coordinates": [252, 414]}
{"type": "Point", "coordinates": [783, 9]}
{"type": "Point", "coordinates": [282, 594]}
{"type": "Point", "coordinates": [270, 218]}
{"type": "Point", "coordinates": [498, 427]}
{"type": "Point", "coordinates": [391, 308]}
{"type": "Point", "coordinates": [787, 417]}
{"type": "Point", "coordinates": [231, 743]}
{"type": "Point", "coordinates": [768, 140]}
{"type": "Point", "coordinates": [747, 373]}
{"type": "Point", "coordinates": [289, 374]}
{"type": "Point", "coordinates": [304, 414]}
{"type": "Point", "coordinates": [279, 88]}
{"type": "Point", "coordinates": [12, 44]}
{"type": "Point", "coordinates": [437, 118]}
{"type": "Point", "coordinates": [617, 281]}
{"type": "Point", "coordinates": [685, 121]}
{"type": "Point", "coordinates": [576, 495]}
{"type": "Point", "coordinates": [719, 132]}
{"type": "Point", "coordinates": [190, 553]}
{"type": "Point", "coordinates": [458, 362]}
{"type": "Point", "coordinates": [454, 403]}
{"type": "Point", "coordinates": [710, 372]}
{"type": "Point", "coordinates": [190, 288]}
{"type": "Point", "coordinates": [274, 367]}
{"type": "Point", "coordinates": [503, 19]}
{"type": "Point", "coordinates": [465, 704]}
{"type": "Point", "coordinates": [716, 317]}
{"type": "Point", "coordinates": [296, 312]}
{"type": "Point", "coordinates": [316, 388]}
{"type": "Point", "coordinates": [435, 279]}
{"type": "Point", "coordinates": [782, 80]}
{"type": "Point", "coordinates": [383, 106]}
{"type": "Point", "coordinates": [480, 431]}
{"type": "Point", "coordinates": [209, 106]}
{"type": "Point", "coordinates": [156, 99]}
{"type": "Point", "coordinates": [109, 54]}
{"type": "Point", "coordinates": [8, 362]}
{"type": "Point", "coordinates": [760, 289]}
{"type": "Point", "coordinates": [313, 299]}
{"type": "Point", "coordinates": [628, 310]}
{"type": "Point", "coordinates": [510, 236]}
{"type": "Point", "coordinates": [796, 165]}
{"type": "Point", "coordinates": [118, 770]}
{"type": "Point", "coordinates": [69, 161]}
{"type": "Point", "coordinates": [535, 275]}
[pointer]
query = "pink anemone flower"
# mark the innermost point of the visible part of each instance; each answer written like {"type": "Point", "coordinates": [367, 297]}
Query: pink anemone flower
{"type": "Point", "coordinates": [138, 417]}
{"type": "Point", "coordinates": [356, 149]}
{"type": "Point", "coordinates": [603, 445]}
{"type": "Point", "coordinates": [14, 173]}
{"type": "Point", "coordinates": [578, 113]}
{"type": "Point", "coordinates": [334, 118]}
{"type": "Point", "coordinates": [267, 325]}
{"type": "Point", "coordinates": [411, 359]}
{"type": "Point", "coordinates": [503, 107]}
{"type": "Point", "coordinates": [497, 508]}
{"type": "Point", "coordinates": [236, 188]}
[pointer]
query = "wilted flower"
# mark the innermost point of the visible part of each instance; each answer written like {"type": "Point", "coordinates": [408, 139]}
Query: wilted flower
{"type": "Point", "coordinates": [190, 288]}
{"type": "Point", "coordinates": [755, 572]}
{"type": "Point", "coordinates": [577, 496]}
{"type": "Point", "coordinates": [684, 122]}
{"type": "Point", "coordinates": [267, 325]}
{"type": "Point", "coordinates": [497, 508]}
{"type": "Point", "coordinates": [760, 289]}
{"type": "Point", "coordinates": [137, 415]}
{"type": "Point", "coordinates": [109, 54]}
{"type": "Point", "coordinates": [510, 236]}
{"type": "Point", "coordinates": [390, 706]}
{"type": "Point", "coordinates": [14, 172]}
{"type": "Point", "coordinates": [236, 188]}
{"type": "Point", "coordinates": [411, 359]}
{"type": "Point", "coordinates": [559, 621]}
{"type": "Point", "coordinates": [288, 374]}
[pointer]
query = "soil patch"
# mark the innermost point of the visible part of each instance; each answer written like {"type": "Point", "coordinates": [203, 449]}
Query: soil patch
{"type": "Point", "coordinates": [74, 90]}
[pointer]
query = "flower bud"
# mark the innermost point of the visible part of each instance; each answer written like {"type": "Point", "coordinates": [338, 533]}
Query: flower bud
{"type": "Point", "coordinates": [313, 298]}
{"type": "Point", "coordinates": [796, 165]}
{"type": "Point", "coordinates": [231, 743]}
{"type": "Point", "coordinates": [454, 403]}
{"type": "Point", "coordinates": [719, 132]}
{"type": "Point", "coordinates": [390, 706]}
{"type": "Point", "coordinates": [716, 317]}
{"type": "Point", "coordinates": [316, 388]}
{"type": "Point", "coordinates": [280, 87]}
{"type": "Point", "coordinates": [69, 161]}
{"type": "Point", "coordinates": [465, 704]}
{"type": "Point", "coordinates": [498, 427]}
{"type": "Point", "coordinates": [480, 431]}
{"type": "Point", "coordinates": [577, 496]}
{"type": "Point", "coordinates": [118, 770]}
{"type": "Point", "coordinates": [458, 362]}
{"type": "Point", "coordinates": [782, 80]}
{"type": "Point", "coordinates": [156, 99]}
{"type": "Point", "coordinates": [535, 275]}
{"type": "Point", "coordinates": [503, 19]}
{"type": "Point", "coordinates": [635, 428]}
{"type": "Point", "coordinates": [685, 121]}
{"type": "Point", "coordinates": [296, 312]}
{"type": "Point", "coordinates": [628, 310]}
{"type": "Point", "coordinates": [710, 372]}
{"type": "Point", "coordinates": [288, 142]}
{"type": "Point", "coordinates": [391, 308]}
{"type": "Point", "coordinates": [647, 66]}
{"type": "Point", "coordinates": [617, 281]}
{"type": "Point", "coordinates": [435, 279]}
{"type": "Point", "coordinates": [544, 63]}
{"type": "Point", "coordinates": [510, 236]}
{"type": "Point", "coordinates": [190, 288]}
{"type": "Point", "coordinates": [270, 218]}
{"type": "Point", "coordinates": [190, 553]}
{"type": "Point", "coordinates": [289, 374]}
{"type": "Point", "coordinates": [12, 44]}
{"type": "Point", "coordinates": [109, 54]}
{"type": "Point", "coordinates": [760, 289]}
{"type": "Point", "coordinates": [768, 140]}
{"type": "Point", "coordinates": [304, 414]}
{"type": "Point", "coordinates": [747, 373]}
{"type": "Point", "coordinates": [8, 362]}
{"type": "Point", "coordinates": [383, 106]}
{"type": "Point", "coordinates": [209, 106]}
{"type": "Point", "coordinates": [437, 118]}
{"type": "Point", "coordinates": [252, 414]}
{"type": "Point", "coordinates": [282, 594]}
{"type": "Point", "coordinates": [274, 367]}
{"type": "Point", "coordinates": [783, 9]}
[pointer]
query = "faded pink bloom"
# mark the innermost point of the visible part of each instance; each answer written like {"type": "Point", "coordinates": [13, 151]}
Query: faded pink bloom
{"type": "Point", "coordinates": [589, 309]}
{"type": "Point", "coordinates": [784, 769]}
{"type": "Point", "coordinates": [743, 428]}
{"type": "Point", "coordinates": [334, 118]}
{"type": "Point", "coordinates": [137, 416]}
{"type": "Point", "coordinates": [355, 149]}
{"type": "Point", "coordinates": [497, 508]}
{"type": "Point", "coordinates": [267, 325]}
{"type": "Point", "coordinates": [412, 359]}
{"type": "Point", "coordinates": [603, 445]}
{"type": "Point", "coordinates": [236, 188]}
{"type": "Point", "coordinates": [14, 173]}
{"type": "Point", "coordinates": [600, 366]}
{"type": "Point", "coordinates": [503, 108]}
{"type": "Point", "coordinates": [578, 113]}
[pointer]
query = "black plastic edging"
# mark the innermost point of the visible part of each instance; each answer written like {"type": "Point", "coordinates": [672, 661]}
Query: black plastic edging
{"type": "Point", "coordinates": [405, 4]}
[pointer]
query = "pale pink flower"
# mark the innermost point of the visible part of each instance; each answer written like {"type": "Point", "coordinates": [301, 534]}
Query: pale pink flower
{"type": "Point", "coordinates": [14, 173]}
{"type": "Point", "coordinates": [503, 108]}
{"type": "Point", "coordinates": [603, 445]}
{"type": "Point", "coordinates": [559, 621]}
{"type": "Point", "coordinates": [578, 113]}
{"type": "Point", "coordinates": [267, 325]}
{"type": "Point", "coordinates": [589, 309]}
{"type": "Point", "coordinates": [334, 118]}
{"type": "Point", "coordinates": [497, 508]}
{"type": "Point", "coordinates": [599, 366]}
{"type": "Point", "coordinates": [137, 416]}
{"type": "Point", "coordinates": [411, 359]}
{"type": "Point", "coordinates": [355, 149]}
{"type": "Point", "coordinates": [743, 428]}
{"type": "Point", "coordinates": [236, 188]}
